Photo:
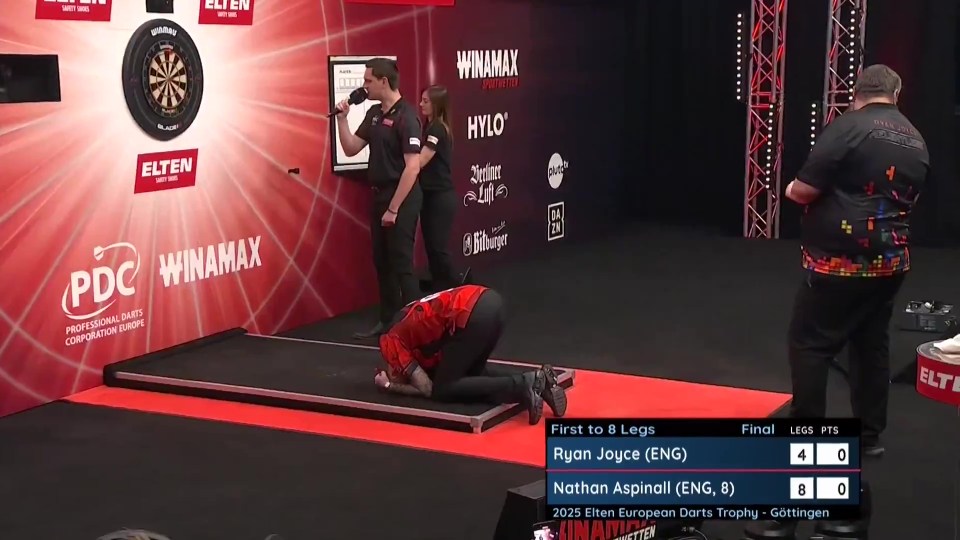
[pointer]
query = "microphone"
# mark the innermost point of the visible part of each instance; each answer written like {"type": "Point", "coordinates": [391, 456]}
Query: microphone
{"type": "Point", "coordinates": [357, 97]}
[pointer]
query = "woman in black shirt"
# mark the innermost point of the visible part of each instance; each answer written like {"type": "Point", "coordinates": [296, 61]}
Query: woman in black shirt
{"type": "Point", "coordinates": [439, 195]}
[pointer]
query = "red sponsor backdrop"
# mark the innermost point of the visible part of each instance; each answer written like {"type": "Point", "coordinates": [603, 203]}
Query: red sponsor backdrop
{"type": "Point", "coordinates": [115, 242]}
{"type": "Point", "coordinates": [104, 259]}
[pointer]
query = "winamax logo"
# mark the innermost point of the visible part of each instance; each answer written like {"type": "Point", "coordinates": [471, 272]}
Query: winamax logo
{"type": "Point", "coordinates": [488, 188]}
{"type": "Point", "coordinates": [485, 126]}
{"type": "Point", "coordinates": [496, 69]}
{"type": "Point", "coordinates": [556, 167]}
{"type": "Point", "coordinates": [599, 529]}
{"type": "Point", "coordinates": [479, 242]}
{"type": "Point", "coordinates": [205, 262]}
{"type": "Point", "coordinates": [90, 292]}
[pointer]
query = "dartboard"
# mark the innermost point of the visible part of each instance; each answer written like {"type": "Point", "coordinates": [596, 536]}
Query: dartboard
{"type": "Point", "coordinates": [162, 79]}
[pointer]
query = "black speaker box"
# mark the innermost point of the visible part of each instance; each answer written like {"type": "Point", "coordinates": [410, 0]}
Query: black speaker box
{"type": "Point", "coordinates": [159, 6]}
{"type": "Point", "coordinates": [524, 506]}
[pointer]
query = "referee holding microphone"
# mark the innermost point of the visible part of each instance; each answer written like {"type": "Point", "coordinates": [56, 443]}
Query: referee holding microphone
{"type": "Point", "coordinates": [392, 130]}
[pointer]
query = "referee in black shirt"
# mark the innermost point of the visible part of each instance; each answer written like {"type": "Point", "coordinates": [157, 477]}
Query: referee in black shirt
{"type": "Point", "coordinates": [392, 129]}
{"type": "Point", "coordinates": [858, 188]}
{"type": "Point", "coordinates": [439, 195]}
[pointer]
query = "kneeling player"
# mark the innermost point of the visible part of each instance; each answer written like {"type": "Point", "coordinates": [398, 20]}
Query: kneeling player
{"type": "Point", "coordinates": [438, 347]}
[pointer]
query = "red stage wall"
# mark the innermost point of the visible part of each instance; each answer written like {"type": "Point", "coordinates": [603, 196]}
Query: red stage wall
{"type": "Point", "coordinates": [115, 242]}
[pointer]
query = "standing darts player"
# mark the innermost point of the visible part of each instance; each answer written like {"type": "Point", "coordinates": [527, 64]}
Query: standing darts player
{"type": "Point", "coordinates": [392, 129]}
{"type": "Point", "coordinates": [858, 188]}
{"type": "Point", "coordinates": [439, 346]}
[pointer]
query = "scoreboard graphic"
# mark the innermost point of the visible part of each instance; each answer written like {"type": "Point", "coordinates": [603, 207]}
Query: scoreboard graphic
{"type": "Point", "coordinates": [658, 469]}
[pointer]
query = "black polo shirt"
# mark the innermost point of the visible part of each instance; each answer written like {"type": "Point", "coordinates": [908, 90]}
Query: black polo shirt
{"type": "Point", "coordinates": [870, 166]}
{"type": "Point", "coordinates": [390, 136]}
{"type": "Point", "coordinates": [436, 176]}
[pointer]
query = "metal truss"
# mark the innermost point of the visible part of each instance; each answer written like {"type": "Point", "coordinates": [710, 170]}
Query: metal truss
{"type": "Point", "coordinates": [846, 28]}
{"type": "Point", "coordinates": [763, 52]}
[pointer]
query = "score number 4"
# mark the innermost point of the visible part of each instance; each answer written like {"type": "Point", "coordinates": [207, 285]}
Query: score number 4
{"type": "Point", "coordinates": [826, 454]}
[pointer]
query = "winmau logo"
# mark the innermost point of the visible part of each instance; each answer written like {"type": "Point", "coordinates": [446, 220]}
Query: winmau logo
{"type": "Point", "coordinates": [102, 283]}
{"type": "Point", "coordinates": [213, 260]}
{"type": "Point", "coordinates": [485, 126]}
{"type": "Point", "coordinates": [489, 188]}
{"type": "Point", "coordinates": [555, 169]}
{"type": "Point", "coordinates": [163, 30]}
{"type": "Point", "coordinates": [497, 69]}
{"type": "Point", "coordinates": [481, 241]}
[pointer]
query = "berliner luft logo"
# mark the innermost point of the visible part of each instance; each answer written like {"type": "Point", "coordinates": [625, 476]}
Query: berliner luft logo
{"type": "Point", "coordinates": [162, 79]}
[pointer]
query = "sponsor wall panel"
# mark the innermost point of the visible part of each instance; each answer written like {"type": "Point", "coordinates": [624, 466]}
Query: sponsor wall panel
{"type": "Point", "coordinates": [186, 176]}
{"type": "Point", "coordinates": [150, 212]}
{"type": "Point", "coordinates": [487, 68]}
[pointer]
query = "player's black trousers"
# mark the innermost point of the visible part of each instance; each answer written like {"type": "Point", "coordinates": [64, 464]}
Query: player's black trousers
{"type": "Point", "coordinates": [831, 312]}
{"type": "Point", "coordinates": [463, 374]}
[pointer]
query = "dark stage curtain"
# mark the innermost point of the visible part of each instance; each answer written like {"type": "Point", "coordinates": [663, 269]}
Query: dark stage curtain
{"type": "Point", "coordinates": [685, 131]}
{"type": "Point", "coordinates": [806, 55]}
{"type": "Point", "coordinates": [917, 39]}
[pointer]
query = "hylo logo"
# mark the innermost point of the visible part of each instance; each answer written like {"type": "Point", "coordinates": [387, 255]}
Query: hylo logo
{"type": "Point", "coordinates": [555, 169]}
{"type": "Point", "coordinates": [489, 188]}
{"type": "Point", "coordinates": [555, 221]}
{"type": "Point", "coordinates": [497, 69]}
{"type": "Point", "coordinates": [485, 125]}
{"type": "Point", "coordinates": [481, 241]}
{"type": "Point", "coordinates": [102, 283]}
{"type": "Point", "coordinates": [213, 260]}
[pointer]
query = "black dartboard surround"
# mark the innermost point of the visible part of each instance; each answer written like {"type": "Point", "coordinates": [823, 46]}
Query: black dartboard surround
{"type": "Point", "coordinates": [162, 79]}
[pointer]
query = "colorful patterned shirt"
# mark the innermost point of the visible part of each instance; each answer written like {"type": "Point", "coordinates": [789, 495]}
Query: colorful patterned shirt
{"type": "Point", "coordinates": [869, 165]}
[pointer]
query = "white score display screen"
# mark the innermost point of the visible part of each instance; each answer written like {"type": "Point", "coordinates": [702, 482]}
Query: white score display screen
{"type": "Point", "coordinates": [346, 75]}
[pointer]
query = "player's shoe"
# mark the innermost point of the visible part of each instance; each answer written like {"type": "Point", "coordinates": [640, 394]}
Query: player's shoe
{"type": "Point", "coordinates": [553, 394]}
{"type": "Point", "coordinates": [533, 384]}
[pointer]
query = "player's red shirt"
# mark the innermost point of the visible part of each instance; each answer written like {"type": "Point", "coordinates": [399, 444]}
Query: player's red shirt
{"type": "Point", "coordinates": [416, 338]}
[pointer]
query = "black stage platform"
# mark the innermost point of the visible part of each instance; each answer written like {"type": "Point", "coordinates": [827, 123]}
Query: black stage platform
{"type": "Point", "coordinates": [328, 377]}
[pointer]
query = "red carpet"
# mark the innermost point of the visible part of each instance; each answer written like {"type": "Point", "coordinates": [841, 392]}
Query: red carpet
{"type": "Point", "coordinates": [595, 395]}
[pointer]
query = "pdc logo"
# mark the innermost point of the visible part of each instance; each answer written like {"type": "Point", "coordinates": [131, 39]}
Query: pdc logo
{"type": "Point", "coordinates": [107, 283]}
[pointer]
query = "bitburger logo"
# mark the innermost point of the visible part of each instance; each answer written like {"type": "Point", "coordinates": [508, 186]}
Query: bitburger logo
{"type": "Point", "coordinates": [162, 79]}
